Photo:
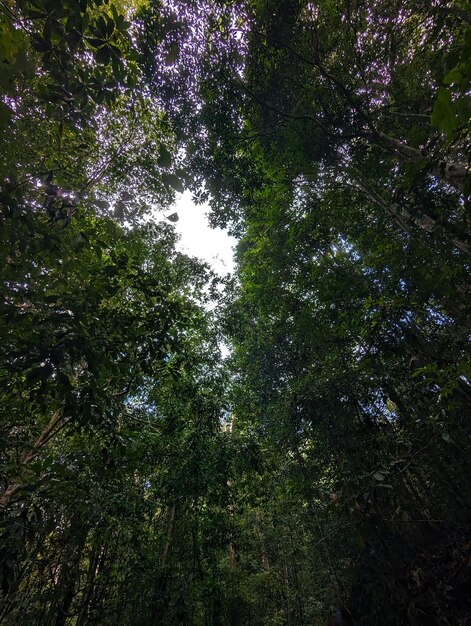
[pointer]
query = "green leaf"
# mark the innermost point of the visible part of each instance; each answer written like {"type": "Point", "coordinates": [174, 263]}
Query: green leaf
{"type": "Point", "coordinates": [85, 21]}
{"type": "Point", "coordinates": [165, 158]}
{"type": "Point", "coordinates": [170, 180]}
{"type": "Point", "coordinates": [39, 44]}
{"type": "Point", "coordinates": [34, 15]}
{"type": "Point", "coordinates": [103, 55]}
{"type": "Point", "coordinates": [5, 115]}
{"type": "Point", "coordinates": [110, 26]}
{"type": "Point", "coordinates": [96, 43]}
{"type": "Point", "coordinates": [101, 27]}
{"type": "Point", "coordinates": [444, 114]}
{"type": "Point", "coordinates": [453, 77]}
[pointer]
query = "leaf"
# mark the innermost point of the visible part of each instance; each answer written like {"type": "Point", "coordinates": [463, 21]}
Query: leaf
{"type": "Point", "coordinates": [378, 476]}
{"type": "Point", "coordinates": [427, 369]}
{"type": "Point", "coordinates": [34, 15]}
{"type": "Point", "coordinates": [39, 44]}
{"type": "Point", "coordinates": [165, 158]}
{"type": "Point", "coordinates": [116, 55]}
{"type": "Point", "coordinates": [5, 115]}
{"type": "Point", "coordinates": [444, 113]}
{"type": "Point", "coordinates": [101, 27]}
{"type": "Point", "coordinates": [109, 26]}
{"type": "Point", "coordinates": [170, 180]}
{"type": "Point", "coordinates": [73, 39]}
{"type": "Point", "coordinates": [103, 55]}
{"type": "Point", "coordinates": [454, 76]}
{"type": "Point", "coordinates": [47, 31]}
{"type": "Point", "coordinates": [114, 12]}
{"type": "Point", "coordinates": [95, 43]}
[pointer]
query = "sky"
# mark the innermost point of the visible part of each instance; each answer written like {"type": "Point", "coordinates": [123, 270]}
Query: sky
{"type": "Point", "coordinates": [213, 245]}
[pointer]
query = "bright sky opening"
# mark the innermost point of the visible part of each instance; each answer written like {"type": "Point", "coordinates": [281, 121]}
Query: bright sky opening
{"type": "Point", "coordinates": [212, 245]}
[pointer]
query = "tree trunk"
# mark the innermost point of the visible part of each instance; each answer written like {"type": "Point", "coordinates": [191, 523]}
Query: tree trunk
{"type": "Point", "coordinates": [27, 458]}
{"type": "Point", "coordinates": [454, 174]}
{"type": "Point", "coordinates": [70, 571]}
{"type": "Point", "coordinates": [170, 530]}
{"type": "Point", "coordinates": [406, 220]}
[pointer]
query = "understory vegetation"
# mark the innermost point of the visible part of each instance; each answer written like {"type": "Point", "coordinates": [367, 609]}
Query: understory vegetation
{"type": "Point", "coordinates": [323, 466]}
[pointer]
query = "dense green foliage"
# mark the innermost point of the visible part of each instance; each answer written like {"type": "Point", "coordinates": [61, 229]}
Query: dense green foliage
{"type": "Point", "coordinates": [324, 464]}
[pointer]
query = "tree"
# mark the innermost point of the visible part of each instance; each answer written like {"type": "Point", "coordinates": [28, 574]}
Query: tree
{"type": "Point", "coordinates": [321, 468]}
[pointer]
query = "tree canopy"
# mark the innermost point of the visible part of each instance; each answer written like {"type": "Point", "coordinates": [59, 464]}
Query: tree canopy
{"type": "Point", "coordinates": [318, 473]}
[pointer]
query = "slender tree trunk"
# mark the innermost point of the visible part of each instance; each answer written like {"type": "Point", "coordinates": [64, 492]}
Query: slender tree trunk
{"type": "Point", "coordinates": [230, 512]}
{"type": "Point", "coordinates": [407, 220]}
{"type": "Point", "coordinates": [28, 457]}
{"type": "Point", "coordinates": [161, 582]}
{"type": "Point", "coordinates": [97, 562]}
{"type": "Point", "coordinates": [70, 571]}
{"type": "Point", "coordinates": [170, 531]}
{"type": "Point", "coordinates": [454, 174]}
{"type": "Point", "coordinates": [288, 596]}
